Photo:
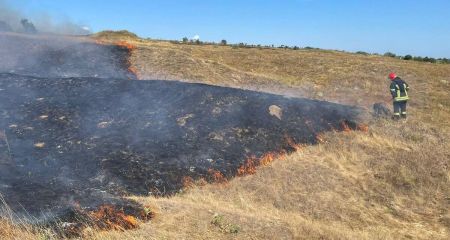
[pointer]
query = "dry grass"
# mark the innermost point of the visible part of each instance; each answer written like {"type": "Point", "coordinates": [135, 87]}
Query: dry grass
{"type": "Point", "coordinates": [392, 182]}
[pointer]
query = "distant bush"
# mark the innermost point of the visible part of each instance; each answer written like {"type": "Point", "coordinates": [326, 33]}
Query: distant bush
{"type": "Point", "coordinates": [185, 39]}
{"type": "Point", "coordinates": [362, 53]}
{"type": "Point", "coordinates": [430, 60]}
{"type": "Point", "coordinates": [407, 57]}
{"type": "Point", "coordinates": [28, 26]}
{"type": "Point", "coordinates": [223, 42]}
{"type": "Point", "coordinates": [418, 58]}
{"type": "Point", "coordinates": [444, 60]}
{"type": "Point", "coordinates": [389, 54]}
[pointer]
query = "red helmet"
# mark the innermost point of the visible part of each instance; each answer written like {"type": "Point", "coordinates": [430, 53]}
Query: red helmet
{"type": "Point", "coordinates": [392, 76]}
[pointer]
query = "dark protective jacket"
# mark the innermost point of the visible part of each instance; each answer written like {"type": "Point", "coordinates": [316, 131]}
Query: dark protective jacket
{"type": "Point", "coordinates": [399, 90]}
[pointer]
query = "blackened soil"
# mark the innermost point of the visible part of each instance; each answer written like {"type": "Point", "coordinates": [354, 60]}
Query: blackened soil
{"type": "Point", "coordinates": [84, 141]}
{"type": "Point", "coordinates": [57, 56]}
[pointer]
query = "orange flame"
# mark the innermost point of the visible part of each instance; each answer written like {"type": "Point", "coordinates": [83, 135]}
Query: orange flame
{"type": "Point", "coordinates": [291, 143]}
{"type": "Point", "coordinates": [217, 176]}
{"type": "Point", "coordinates": [320, 138]}
{"type": "Point", "coordinates": [130, 47]}
{"type": "Point", "coordinates": [126, 45]}
{"type": "Point", "coordinates": [345, 127]}
{"type": "Point", "coordinates": [362, 127]}
{"type": "Point", "coordinates": [250, 165]}
{"type": "Point", "coordinates": [188, 182]}
{"type": "Point", "coordinates": [107, 217]}
{"type": "Point", "coordinates": [132, 69]}
{"type": "Point", "coordinates": [248, 168]}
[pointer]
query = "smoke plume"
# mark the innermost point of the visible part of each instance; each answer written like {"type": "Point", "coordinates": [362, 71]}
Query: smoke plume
{"type": "Point", "coordinates": [14, 20]}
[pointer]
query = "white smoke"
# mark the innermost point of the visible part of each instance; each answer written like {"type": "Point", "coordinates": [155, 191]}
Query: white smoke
{"type": "Point", "coordinates": [10, 18]}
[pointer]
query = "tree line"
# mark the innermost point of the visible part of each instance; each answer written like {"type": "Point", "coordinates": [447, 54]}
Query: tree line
{"type": "Point", "coordinates": [224, 42]}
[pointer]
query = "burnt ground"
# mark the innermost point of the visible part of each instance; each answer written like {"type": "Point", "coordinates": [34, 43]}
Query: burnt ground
{"type": "Point", "coordinates": [60, 56]}
{"type": "Point", "coordinates": [86, 141]}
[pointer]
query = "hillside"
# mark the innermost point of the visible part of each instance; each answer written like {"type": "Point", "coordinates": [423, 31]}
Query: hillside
{"type": "Point", "coordinates": [392, 182]}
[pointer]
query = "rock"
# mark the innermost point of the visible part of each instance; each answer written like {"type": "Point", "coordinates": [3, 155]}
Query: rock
{"type": "Point", "coordinates": [276, 111]}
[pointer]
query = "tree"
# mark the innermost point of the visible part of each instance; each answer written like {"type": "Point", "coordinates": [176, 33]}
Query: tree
{"type": "Point", "coordinates": [223, 42]}
{"type": "Point", "coordinates": [185, 39]}
{"type": "Point", "coordinates": [28, 26]}
{"type": "Point", "coordinates": [407, 57]}
{"type": "Point", "coordinates": [389, 54]}
{"type": "Point", "coordinates": [419, 59]}
{"type": "Point", "coordinates": [430, 60]}
{"type": "Point", "coordinates": [445, 60]}
{"type": "Point", "coordinates": [362, 53]}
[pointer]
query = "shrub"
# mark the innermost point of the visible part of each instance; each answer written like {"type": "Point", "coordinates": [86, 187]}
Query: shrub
{"type": "Point", "coordinates": [444, 60]}
{"type": "Point", "coordinates": [223, 42]}
{"type": "Point", "coordinates": [430, 60]}
{"type": "Point", "coordinates": [389, 54]}
{"type": "Point", "coordinates": [407, 57]}
{"type": "Point", "coordinates": [419, 59]}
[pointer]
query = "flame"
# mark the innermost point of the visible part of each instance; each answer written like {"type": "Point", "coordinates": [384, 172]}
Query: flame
{"type": "Point", "coordinates": [126, 45]}
{"type": "Point", "coordinates": [249, 167]}
{"type": "Point", "coordinates": [130, 47]}
{"type": "Point", "coordinates": [132, 69]}
{"type": "Point", "coordinates": [188, 182]}
{"type": "Point", "coordinates": [217, 176]}
{"type": "Point", "coordinates": [320, 138]}
{"type": "Point", "coordinates": [344, 127]}
{"type": "Point", "coordinates": [107, 217]}
{"type": "Point", "coordinates": [291, 143]}
{"type": "Point", "coordinates": [362, 127]}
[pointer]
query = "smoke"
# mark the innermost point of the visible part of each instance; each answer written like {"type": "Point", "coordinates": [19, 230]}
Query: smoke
{"type": "Point", "coordinates": [16, 21]}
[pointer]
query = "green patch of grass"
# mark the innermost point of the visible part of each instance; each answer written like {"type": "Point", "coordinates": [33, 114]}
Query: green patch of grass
{"type": "Point", "coordinates": [224, 224]}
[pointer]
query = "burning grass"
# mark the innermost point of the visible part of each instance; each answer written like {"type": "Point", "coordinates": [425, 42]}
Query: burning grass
{"type": "Point", "coordinates": [130, 49]}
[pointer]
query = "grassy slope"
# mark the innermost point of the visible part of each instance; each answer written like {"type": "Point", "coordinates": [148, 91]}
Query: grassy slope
{"type": "Point", "coordinates": [392, 182]}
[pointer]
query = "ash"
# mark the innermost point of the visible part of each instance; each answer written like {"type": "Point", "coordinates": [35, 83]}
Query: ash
{"type": "Point", "coordinates": [74, 140]}
{"type": "Point", "coordinates": [76, 133]}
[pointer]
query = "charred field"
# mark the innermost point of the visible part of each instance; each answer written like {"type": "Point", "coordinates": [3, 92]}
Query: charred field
{"type": "Point", "coordinates": [62, 56]}
{"type": "Point", "coordinates": [79, 134]}
{"type": "Point", "coordinates": [79, 141]}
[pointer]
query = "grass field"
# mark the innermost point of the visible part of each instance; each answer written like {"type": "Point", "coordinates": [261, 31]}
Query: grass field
{"type": "Point", "coordinates": [392, 182]}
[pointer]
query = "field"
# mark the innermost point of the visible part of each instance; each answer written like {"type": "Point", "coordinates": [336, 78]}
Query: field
{"type": "Point", "coordinates": [392, 182]}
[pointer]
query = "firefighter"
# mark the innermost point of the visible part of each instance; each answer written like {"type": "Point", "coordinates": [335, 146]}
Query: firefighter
{"type": "Point", "coordinates": [399, 91]}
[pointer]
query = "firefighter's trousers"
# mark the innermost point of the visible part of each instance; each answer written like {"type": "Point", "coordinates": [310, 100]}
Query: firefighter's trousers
{"type": "Point", "coordinates": [400, 109]}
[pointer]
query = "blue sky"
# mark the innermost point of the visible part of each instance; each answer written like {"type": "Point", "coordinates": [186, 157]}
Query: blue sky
{"type": "Point", "coordinates": [402, 26]}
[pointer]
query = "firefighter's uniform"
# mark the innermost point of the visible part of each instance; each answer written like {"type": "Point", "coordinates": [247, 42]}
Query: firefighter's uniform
{"type": "Point", "coordinates": [399, 90]}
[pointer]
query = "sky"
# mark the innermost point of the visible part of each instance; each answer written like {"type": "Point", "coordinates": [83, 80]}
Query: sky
{"type": "Point", "coordinates": [415, 27]}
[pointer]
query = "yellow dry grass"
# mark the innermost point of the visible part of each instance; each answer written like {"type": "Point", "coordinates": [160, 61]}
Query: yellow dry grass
{"type": "Point", "coordinates": [392, 182]}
